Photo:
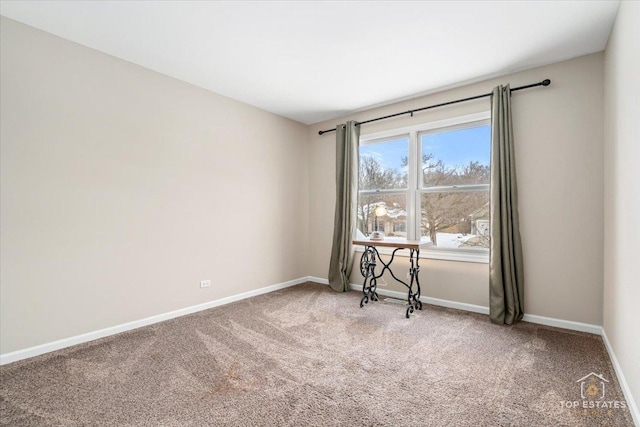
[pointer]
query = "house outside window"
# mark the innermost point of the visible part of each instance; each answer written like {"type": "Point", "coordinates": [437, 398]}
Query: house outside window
{"type": "Point", "coordinates": [433, 180]}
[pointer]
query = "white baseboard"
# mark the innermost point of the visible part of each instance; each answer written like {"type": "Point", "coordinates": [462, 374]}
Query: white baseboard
{"type": "Point", "coordinates": [317, 280]}
{"type": "Point", "coordinates": [633, 407]}
{"type": "Point", "coordinates": [428, 300]}
{"type": "Point", "coordinates": [14, 356]}
{"type": "Point", "coordinates": [564, 324]}
{"type": "Point", "coordinates": [532, 318]}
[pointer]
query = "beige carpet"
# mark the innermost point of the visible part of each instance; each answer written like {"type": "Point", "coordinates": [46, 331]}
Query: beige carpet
{"type": "Point", "coordinates": [306, 356]}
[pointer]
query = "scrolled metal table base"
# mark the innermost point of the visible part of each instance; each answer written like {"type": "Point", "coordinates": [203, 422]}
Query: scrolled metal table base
{"type": "Point", "coordinates": [368, 263]}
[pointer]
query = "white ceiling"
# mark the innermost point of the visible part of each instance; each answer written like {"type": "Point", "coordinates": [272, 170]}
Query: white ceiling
{"type": "Point", "coordinates": [313, 61]}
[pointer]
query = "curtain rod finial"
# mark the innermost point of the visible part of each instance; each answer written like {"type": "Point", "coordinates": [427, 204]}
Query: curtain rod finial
{"type": "Point", "coordinates": [546, 82]}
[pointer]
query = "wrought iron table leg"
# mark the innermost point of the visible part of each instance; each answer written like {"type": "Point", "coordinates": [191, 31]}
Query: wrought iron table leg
{"type": "Point", "coordinates": [367, 268]}
{"type": "Point", "coordinates": [369, 292]}
{"type": "Point", "coordinates": [413, 299]}
{"type": "Point", "coordinates": [409, 310]}
{"type": "Point", "coordinates": [365, 298]}
{"type": "Point", "coordinates": [417, 274]}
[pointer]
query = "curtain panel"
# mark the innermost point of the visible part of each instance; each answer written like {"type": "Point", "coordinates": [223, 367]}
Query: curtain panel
{"type": "Point", "coordinates": [347, 163]}
{"type": "Point", "coordinates": [506, 269]}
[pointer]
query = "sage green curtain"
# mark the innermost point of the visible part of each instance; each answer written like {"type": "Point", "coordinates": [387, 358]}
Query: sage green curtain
{"type": "Point", "coordinates": [506, 271]}
{"type": "Point", "coordinates": [344, 226]}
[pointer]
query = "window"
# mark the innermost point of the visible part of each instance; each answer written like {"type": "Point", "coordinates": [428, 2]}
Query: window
{"type": "Point", "coordinates": [383, 183]}
{"type": "Point", "coordinates": [433, 182]}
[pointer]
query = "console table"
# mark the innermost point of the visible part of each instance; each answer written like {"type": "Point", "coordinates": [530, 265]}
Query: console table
{"type": "Point", "coordinates": [368, 262]}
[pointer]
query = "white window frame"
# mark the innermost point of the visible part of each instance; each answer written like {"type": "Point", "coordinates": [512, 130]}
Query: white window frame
{"type": "Point", "coordinates": [416, 189]}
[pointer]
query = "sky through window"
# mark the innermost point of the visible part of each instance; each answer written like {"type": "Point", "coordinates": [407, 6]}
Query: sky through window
{"type": "Point", "coordinates": [454, 148]}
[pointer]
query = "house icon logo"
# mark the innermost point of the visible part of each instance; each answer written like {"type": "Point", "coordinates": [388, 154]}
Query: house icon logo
{"type": "Point", "coordinates": [592, 391]}
{"type": "Point", "coordinates": [592, 386]}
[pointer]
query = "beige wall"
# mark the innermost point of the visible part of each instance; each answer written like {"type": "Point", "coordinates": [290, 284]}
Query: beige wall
{"type": "Point", "coordinates": [621, 193]}
{"type": "Point", "coordinates": [558, 133]}
{"type": "Point", "coordinates": [123, 188]}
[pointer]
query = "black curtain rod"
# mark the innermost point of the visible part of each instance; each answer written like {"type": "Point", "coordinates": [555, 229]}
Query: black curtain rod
{"type": "Point", "coordinates": [545, 82]}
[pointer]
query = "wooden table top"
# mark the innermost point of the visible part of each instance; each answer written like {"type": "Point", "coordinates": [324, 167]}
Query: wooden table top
{"type": "Point", "coordinates": [395, 243]}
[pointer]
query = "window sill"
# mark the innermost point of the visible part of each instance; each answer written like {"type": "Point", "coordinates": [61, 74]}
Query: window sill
{"type": "Point", "coordinates": [439, 254]}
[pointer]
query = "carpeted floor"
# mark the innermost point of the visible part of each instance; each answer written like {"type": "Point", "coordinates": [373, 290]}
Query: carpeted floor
{"type": "Point", "coordinates": [307, 356]}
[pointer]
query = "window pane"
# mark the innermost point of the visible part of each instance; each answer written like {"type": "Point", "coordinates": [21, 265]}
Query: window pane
{"type": "Point", "coordinates": [455, 219]}
{"type": "Point", "coordinates": [384, 165]}
{"type": "Point", "coordinates": [456, 157]}
{"type": "Point", "coordinates": [392, 220]}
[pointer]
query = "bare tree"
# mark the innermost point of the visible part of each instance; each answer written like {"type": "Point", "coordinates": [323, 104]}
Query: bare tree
{"type": "Point", "coordinates": [374, 176]}
{"type": "Point", "coordinates": [452, 211]}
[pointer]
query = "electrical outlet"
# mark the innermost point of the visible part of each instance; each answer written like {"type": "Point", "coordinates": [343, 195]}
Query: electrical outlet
{"type": "Point", "coordinates": [205, 283]}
